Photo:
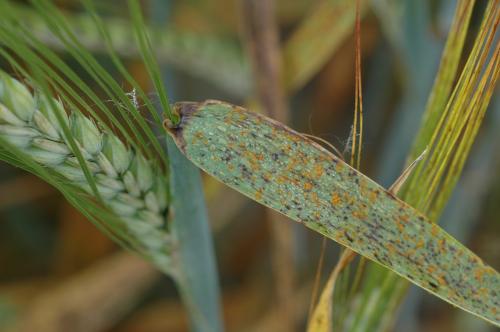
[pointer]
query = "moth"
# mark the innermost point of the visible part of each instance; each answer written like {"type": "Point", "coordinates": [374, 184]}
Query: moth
{"type": "Point", "coordinates": [283, 170]}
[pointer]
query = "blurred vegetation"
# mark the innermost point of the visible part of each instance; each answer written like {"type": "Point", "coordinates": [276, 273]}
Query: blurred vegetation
{"type": "Point", "coordinates": [58, 272]}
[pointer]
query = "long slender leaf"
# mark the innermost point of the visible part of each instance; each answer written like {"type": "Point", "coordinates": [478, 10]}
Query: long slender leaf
{"type": "Point", "coordinates": [191, 228]}
{"type": "Point", "coordinates": [454, 124]}
{"type": "Point", "coordinates": [316, 39]}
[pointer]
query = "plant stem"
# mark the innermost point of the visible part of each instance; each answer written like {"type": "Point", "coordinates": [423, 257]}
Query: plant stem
{"type": "Point", "coordinates": [197, 279]}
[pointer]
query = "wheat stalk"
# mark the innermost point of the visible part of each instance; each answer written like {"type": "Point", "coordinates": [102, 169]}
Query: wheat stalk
{"type": "Point", "coordinates": [132, 187]}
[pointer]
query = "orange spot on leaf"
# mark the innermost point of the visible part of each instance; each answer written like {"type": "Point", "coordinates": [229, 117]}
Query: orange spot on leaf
{"type": "Point", "coordinates": [335, 200]}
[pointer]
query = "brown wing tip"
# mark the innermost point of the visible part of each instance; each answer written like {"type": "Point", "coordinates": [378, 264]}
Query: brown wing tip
{"type": "Point", "coordinates": [184, 110]}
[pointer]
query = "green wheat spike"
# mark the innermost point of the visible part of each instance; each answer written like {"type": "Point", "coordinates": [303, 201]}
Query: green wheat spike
{"type": "Point", "coordinates": [131, 186]}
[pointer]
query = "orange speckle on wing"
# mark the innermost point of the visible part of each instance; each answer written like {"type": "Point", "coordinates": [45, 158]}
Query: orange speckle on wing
{"type": "Point", "coordinates": [478, 274]}
{"type": "Point", "coordinates": [489, 270]}
{"type": "Point", "coordinates": [391, 248]}
{"type": "Point", "coordinates": [258, 195]}
{"type": "Point", "coordinates": [308, 186]}
{"type": "Point", "coordinates": [348, 199]}
{"type": "Point", "coordinates": [253, 160]}
{"type": "Point", "coordinates": [434, 230]}
{"type": "Point", "coordinates": [359, 214]}
{"type": "Point", "coordinates": [318, 170]}
{"type": "Point", "coordinates": [363, 189]}
{"type": "Point", "coordinates": [306, 174]}
{"type": "Point", "coordinates": [339, 166]}
{"type": "Point", "coordinates": [372, 196]}
{"type": "Point", "coordinates": [431, 269]}
{"type": "Point", "coordinates": [420, 244]}
{"type": "Point", "coordinates": [324, 158]}
{"type": "Point", "coordinates": [335, 200]}
{"type": "Point", "coordinates": [483, 291]}
{"type": "Point", "coordinates": [314, 198]}
{"type": "Point", "coordinates": [292, 163]}
{"type": "Point", "coordinates": [267, 176]}
{"type": "Point", "coordinates": [281, 179]}
{"type": "Point", "coordinates": [295, 138]}
{"type": "Point", "coordinates": [242, 117]}
{"type": "Point", "coordinates": [442, 245]}
{"type": "Point", "coordinates": [441, 280]}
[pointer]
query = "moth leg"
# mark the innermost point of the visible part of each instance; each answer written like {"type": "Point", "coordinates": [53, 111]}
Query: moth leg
{"type": "Point", "coordinates": [396, 186]}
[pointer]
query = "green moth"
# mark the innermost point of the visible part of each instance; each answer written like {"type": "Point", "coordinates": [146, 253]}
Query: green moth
{"type": "Point", "coordinates": [280, 168]}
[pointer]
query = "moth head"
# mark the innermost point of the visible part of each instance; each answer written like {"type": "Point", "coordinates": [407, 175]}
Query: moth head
{"type": "Point", "coordinates": [183, 111]}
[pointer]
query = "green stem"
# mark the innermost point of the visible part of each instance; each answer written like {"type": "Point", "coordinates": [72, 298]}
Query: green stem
{"type": "Point", "coordinates": [197, 274]}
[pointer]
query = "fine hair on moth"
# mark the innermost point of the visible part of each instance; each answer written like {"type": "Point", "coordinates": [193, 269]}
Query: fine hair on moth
{"type": "Point", "coordinates": [294, 175]}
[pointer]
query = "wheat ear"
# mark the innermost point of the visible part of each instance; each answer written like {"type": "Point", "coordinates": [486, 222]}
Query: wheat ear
{"type": "Point", "coordinates": [132, 187]}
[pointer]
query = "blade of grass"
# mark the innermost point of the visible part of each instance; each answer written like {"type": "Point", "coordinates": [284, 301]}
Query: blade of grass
{"type": "Point", "coordinates": [310, 46]}
{"type": "Point", "coordinates": [149, 60]}
{"type": "Point", "coordinates": [197, 277]}
{"type": "Point", "coordinates": [322, 320]}
{"type": "Point", "coordinates": [445, 77]}
{"type": "Point", "coordinates": [464, 100]}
